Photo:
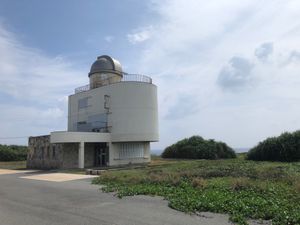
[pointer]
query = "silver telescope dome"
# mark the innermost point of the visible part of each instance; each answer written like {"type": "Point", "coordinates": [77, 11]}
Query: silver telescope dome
{"type": "Point", "coordinates": [106, 63]}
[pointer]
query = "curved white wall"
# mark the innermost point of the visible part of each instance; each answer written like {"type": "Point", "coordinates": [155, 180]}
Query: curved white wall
{"type": "Point", "coordinates": [133, 113]}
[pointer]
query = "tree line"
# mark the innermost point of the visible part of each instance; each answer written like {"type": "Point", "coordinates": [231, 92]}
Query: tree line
{"type": "Point", "coordinates": [285, 147]}
{"type": "Point", "coordinates": [13, 152]}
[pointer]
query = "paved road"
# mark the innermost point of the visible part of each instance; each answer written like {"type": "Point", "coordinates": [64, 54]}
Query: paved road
{"type": "Point", "coordinates": [32, 202]}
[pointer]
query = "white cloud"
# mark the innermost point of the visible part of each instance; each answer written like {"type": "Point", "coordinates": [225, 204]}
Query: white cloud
{"type": "Point", "coordinates": [236, 75]}
{"type": "Point", "coordinates": [140, 35]}
{"type": "Point", "coordinates": [193, 42]}
{"type": "Point", "coordinates": [109, 38]}
{"type": "Point", "coordinates": [264, 51]}
{"type": "Point", "coordinates": [33, 87]}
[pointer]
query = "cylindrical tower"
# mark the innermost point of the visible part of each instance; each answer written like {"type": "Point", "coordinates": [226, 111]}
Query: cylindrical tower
{"type": "Point", "coordinates": [105, 70]}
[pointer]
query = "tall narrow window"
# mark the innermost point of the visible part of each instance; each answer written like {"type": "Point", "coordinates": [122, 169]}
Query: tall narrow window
{"type": "Point", "coordinates": [106, 102]}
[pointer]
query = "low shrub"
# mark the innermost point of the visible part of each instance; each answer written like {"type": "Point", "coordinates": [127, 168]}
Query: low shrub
{"type": "Point", "coordinates": [196, 147]}
{"type": "Point", "coordinates": [13, 153]}
{"type": "Point", "coordinates": [167, 178]}
{"type": "Point", "coordinates": [199, 182]}
{"type": "Point", "coordinates": [240, 183]}
{"type": "Point", "coordinates": [285, 147]}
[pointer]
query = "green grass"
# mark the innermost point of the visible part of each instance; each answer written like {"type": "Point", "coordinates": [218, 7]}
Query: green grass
{"type": "Point", "coordinates": [14, 165]}
{"type": "Point", "coordinates": [243, 189]}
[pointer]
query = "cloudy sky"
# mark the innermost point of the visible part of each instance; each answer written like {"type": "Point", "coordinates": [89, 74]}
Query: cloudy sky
{"type": "Point", "coordinates": [227, 70]}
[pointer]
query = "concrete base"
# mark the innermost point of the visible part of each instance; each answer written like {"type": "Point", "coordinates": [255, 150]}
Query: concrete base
{"type": "Point", "coordinates": [75, 153]}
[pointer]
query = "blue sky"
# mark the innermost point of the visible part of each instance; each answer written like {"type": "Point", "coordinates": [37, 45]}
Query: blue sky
{"type": "Point", "coordinates": [77, 29]}
{"type": "Point", "coordinates": [227, 70]}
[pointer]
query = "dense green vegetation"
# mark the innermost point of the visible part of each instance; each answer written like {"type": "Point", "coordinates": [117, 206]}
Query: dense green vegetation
{"type": "Point", "coordinates": [242, 188]}
{"type": "Point", "coordinates": [196, 147]}
{"type": "Point", "coordinates": [13, 153]}
{"type": "Point", "coordinates": [285, 147]}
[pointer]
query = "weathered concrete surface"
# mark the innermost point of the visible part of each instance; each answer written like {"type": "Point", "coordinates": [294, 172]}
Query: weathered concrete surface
{"type": "Point", "coordinates": [28, 202]}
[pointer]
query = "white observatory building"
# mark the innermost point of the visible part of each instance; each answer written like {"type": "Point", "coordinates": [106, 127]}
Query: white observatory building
{"type": "Point", "coordinates": [111, 122]}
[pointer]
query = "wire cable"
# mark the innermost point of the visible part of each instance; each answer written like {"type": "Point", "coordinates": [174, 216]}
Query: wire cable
{"type": "Point", "coordinates": [2, 138]}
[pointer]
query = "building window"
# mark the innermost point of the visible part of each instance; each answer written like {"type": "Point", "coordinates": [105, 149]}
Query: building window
{"type": "Point", "coordinates": [106, 102]}
{"type": "Point", "coordinates": [83, 103]}
{"type": "Point", "coordinates": [131, 150]}
{"type": "Point", "coordinates": [98, 122]}
{"type": "Point", "coordinates": [104, 76]}
{"type": "Point", "coordinates": [83, 126]}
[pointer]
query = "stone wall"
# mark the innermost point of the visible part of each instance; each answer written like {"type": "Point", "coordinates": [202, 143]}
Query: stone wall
{"type": "Point", "coordinates": [42, 154]}
{"type": "Point", "coordinates": [70, 155]}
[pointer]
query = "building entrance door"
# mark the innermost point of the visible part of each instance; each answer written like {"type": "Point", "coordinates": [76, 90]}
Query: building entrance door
{"type": "Point", "coordinates": [101, 154]}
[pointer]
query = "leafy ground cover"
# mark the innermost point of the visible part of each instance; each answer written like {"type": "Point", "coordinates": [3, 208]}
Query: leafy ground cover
{"type": "Point", "coordinates": [244, 189]}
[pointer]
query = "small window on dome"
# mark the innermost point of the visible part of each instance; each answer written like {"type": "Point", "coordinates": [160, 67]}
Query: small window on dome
{"type": "Point", "coordinates": [104, 76]}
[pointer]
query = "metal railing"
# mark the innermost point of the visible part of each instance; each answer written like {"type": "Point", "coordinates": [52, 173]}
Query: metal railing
{"type": "Point", "coordinates": [82, 89]}
{"type": "Point", "coordinates": [126, 77]}
{"type": "Point", "coordinates": [136, 77]}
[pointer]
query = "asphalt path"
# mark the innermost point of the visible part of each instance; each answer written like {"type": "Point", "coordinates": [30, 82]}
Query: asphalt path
{"type": "Point", "coordinates": [35, 202]}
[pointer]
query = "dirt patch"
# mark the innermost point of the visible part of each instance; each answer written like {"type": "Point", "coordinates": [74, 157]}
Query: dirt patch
{"type": "Point", "coordinates": [6, 171]}
{"type": "Point", "coordinates": [57, 177]}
